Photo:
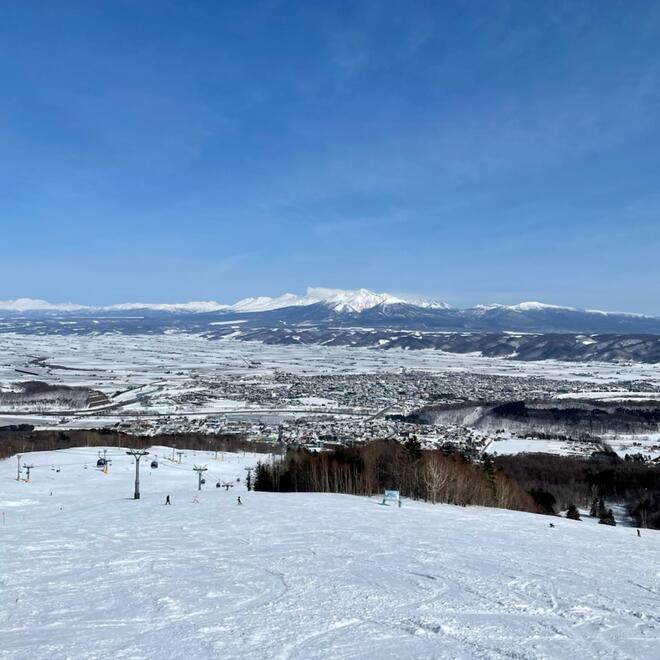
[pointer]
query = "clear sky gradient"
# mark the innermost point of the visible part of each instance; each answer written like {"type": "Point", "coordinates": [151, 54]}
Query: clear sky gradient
{"type": "Point", "coordinates": [472, 151]}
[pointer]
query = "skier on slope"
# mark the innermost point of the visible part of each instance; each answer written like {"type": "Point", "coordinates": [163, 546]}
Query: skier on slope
{"type": "Point", "coordinates": [167, 501]}
{"type": "Point", "coordinates": [239, 500]}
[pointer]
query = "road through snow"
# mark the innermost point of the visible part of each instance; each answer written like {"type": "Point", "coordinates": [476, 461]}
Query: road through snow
{"type": "Point", "coordinates": [89, 573]}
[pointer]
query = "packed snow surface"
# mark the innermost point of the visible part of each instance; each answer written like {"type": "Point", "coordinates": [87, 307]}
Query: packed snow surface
{"type": "Point", "coordinates": [87, 572]}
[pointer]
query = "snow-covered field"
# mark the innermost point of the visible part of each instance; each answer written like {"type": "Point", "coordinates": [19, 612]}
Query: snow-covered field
{"type": "Point", "coordinates": [647, 443]}
{"type": "Point", "coordinates": [101, 360]}
{"type": "Point", "coordinates": [513, 445]}
{"type": "Point", "coordinates": [183, 374]}
{"type": "Point", "coordinates": [87, 572]}
{"type": "Point", "coordinates": [622, 395]}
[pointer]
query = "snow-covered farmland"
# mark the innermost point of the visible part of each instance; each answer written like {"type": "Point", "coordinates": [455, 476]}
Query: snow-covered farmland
{"type": "Point", "coordinates": [103, 360]}
{"type": "Point", "coordinates": [87, 572]}
{"type": "Point", "coordinates": [124, 377]}
{"type": "Point", "coordinates": [510, 444]}
{"type": "Point", "coordinates": [623, 444]}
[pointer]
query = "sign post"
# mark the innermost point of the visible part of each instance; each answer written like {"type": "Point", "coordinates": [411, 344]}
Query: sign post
{"type": "Point", "coordinates": [391, 496]}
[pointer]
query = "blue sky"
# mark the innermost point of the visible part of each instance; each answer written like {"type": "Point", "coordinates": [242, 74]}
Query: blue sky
{"type": "Point", "coordinates": [472, 151]}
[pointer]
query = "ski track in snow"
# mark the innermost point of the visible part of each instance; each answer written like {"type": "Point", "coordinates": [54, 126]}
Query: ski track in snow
{"type": "Point", "coordinates": [90, 573]}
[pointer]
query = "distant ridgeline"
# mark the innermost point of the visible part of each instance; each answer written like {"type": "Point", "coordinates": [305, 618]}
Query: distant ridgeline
{"type": "Point", "coordinates": [571, 418]}
{"type": "Point", "coordinates": [529, 331]}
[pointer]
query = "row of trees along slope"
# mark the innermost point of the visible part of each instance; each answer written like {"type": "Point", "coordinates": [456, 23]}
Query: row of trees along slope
{"type": "Point", "coordinates": [17, 440]}
{"type": "Point", "coordinates": [555, 482]}
{"type": "Point", "coordinates": [369, 469]}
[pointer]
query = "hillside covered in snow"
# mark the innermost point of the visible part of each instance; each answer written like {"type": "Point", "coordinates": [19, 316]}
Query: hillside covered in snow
{"type": "Point", "coordinates": [88, 572]}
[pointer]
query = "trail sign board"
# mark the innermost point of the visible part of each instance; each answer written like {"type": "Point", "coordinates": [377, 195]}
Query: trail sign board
{"type": "Point", "coordinates": [392, 496]}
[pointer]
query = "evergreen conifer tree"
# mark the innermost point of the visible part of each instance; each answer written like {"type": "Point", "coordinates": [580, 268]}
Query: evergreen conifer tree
{"type": "Point", "coordinates": [607, 518]}
{"type": "Point", "coordinates": [573, 512]}
{"type": "Point", "coordinates": [262, 477]}
{"type": "Point", "coordinates": [489, 469]}
{"type": "Point", "coordinates": [413, 449]}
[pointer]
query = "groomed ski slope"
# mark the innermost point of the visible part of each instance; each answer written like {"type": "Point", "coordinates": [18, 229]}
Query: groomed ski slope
{"type": "Point", "coordinates": [89, 573]}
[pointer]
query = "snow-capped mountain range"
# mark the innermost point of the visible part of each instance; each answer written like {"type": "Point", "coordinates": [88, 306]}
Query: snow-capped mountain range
{"type": "Point", "coordinates": [339, 300]}
{"type": "Point", "coordinates": [38, 305]}
{"type": "Point", "coordinates": [323, 308]}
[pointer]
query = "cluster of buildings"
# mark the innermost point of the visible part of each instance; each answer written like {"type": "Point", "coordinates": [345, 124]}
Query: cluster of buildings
{"type": "Point", "coordinates": [320, 411]}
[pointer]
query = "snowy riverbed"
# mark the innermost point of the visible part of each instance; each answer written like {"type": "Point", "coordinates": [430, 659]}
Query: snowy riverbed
{"type": "Point", "coordinates": [88, 572]}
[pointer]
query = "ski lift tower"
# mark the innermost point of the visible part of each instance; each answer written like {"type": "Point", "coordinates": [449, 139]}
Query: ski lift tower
{"type": "Point", "coordinates": [27, 469]}
{"type": "Point", "coordinates": [137, 454]}
{"type": "Point", "coordinates": [199, 471]}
